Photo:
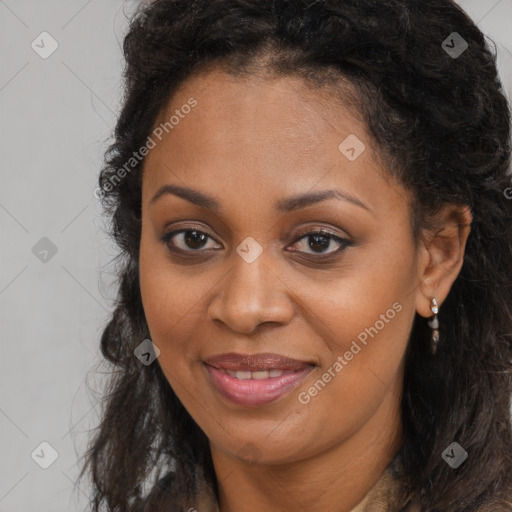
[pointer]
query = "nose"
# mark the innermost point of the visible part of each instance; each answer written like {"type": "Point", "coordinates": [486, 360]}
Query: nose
{"type": "Point", "coordinates": [251, 294]}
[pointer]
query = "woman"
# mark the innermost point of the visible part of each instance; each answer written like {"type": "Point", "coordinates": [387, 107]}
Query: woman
{"type": "Point", "coordinates": [315, 294]}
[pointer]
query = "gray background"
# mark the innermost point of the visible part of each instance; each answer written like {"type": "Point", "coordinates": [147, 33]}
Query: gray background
{"type": "Point", "coordinates": [57, 115]}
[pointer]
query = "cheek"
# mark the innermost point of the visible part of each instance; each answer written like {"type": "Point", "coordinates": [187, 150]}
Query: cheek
{"type": "Point", "coordinates": [364, 329]}
{"type": "Point", "coordinates": [168, 298]}
{"type": "Point", "coordinates": [361, 368]}
{"type": "Point", "coordinates": [362, 323]}
{"type": "Point", "coordinates": [171, 306]}
{"type": "Point", "coordinates": [366, 292]}
{"type": "Point", "coordinates": [170, 294]}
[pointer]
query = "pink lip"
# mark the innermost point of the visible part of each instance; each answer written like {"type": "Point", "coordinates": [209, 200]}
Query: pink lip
{"type": "Point", "coordinates": [254, 392]}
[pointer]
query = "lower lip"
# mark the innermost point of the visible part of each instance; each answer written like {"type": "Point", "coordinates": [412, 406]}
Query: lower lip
{"type": "Point", "coordinates": [253, 392]}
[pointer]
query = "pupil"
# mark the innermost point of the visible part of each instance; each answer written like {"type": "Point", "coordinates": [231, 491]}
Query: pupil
{"type": "Point", "coordinates": [316, 242]}
{"type": "Point", "coordinates": [194, 237]}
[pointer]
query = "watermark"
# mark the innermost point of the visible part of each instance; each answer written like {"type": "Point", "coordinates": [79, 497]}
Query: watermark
{"type": "Point", "coordinates": [454, 455]}
{"type": "Point", "coordinates": [454, 45]}
{"type": "Point", "coordinates": [508, 192]}
{"type": "Point", "coordinates": [147, 352]}
{"type": "Point", "coordinates": [138, 156]}
{"type": "Point", "coordinates": [44, 250]}
{"type": "Point", "coordinates": [44, 455]}
{"type": "Point", "coordinates": [249, 250]}
{"type": "Point", "coordinates": [44, 45]}
{"type": "Point", "coordinates": [304, 397]}
{"type": "Point", "coordinates": [250, 453]}
{"type": "Point", "coordinates": [352, 147]}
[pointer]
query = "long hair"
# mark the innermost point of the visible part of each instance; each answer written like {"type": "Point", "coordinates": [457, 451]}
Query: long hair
{"type": "Point", "coordinates": [441, 124]}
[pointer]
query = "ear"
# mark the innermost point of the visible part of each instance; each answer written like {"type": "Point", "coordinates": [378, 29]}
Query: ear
{"type": "Point", "coordinates": [441, 255]}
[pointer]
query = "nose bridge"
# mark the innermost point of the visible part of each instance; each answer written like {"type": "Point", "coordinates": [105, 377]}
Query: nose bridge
{"type": "Point", "coordinates": [250, 293]}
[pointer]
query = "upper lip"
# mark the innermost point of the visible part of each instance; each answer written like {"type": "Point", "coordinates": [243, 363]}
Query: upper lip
{"type": "Point", "coordinates": [253, 362]}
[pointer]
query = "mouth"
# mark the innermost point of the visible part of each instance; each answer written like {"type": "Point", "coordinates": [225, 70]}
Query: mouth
{"type": "Point", "coordinates": [256, 375]}
{"type": "Point", "coordinates": [253, 388]}
{"type": "Point", "coordinates": [256, 364]}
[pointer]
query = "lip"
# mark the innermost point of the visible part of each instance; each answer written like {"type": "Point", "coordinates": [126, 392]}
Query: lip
{"type": "Point", "coordinates": [254, 362]}
{"type": "Point", "coordinates": [256, 392]}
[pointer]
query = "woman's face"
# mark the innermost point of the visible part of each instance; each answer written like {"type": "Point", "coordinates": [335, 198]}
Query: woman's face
{"type": "Point", "coordinates": [241, 274]}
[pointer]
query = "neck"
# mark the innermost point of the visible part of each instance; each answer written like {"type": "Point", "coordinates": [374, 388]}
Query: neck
{"type": "Point", "coordinates": [338, 478]}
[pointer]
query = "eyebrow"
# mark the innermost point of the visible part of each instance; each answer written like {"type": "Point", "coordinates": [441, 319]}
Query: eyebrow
{"type": "Point", "coordinates": [287, 205]}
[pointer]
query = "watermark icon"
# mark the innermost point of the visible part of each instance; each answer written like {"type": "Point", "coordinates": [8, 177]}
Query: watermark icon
{"type": "Point", "coordinates": [454, 45]}
{"type": "Point", "coordinates": [249, 250]}
{"type": "Point", "coordinates": [352, 147]}
{"type": "Point", "coordinates": [138, 156]}
{"type": "Point", "coordinates": [44, 250]}
{"type": "Point", "coordinates": [44, 45]}
{"type": "Point", "coordinates": [147, 352]}
{"type": "Point", "coordinates": [454, 455]}
{"type": "Point", "coordinates": [304, 397]}
{"type": "Point", "coordinates": [250, 453]}
{"type": "Point", "coordinates": [508, 192]}
{"type": "Point", "coordinates": [44, 455]}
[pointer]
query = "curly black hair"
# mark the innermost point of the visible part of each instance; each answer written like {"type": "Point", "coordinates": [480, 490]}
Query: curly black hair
{"type": "Point", "coordinates": [441, 124]}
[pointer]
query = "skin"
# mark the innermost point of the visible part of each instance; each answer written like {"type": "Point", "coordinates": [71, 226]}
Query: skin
{"type": "Point", "coordinates": [249, 143]}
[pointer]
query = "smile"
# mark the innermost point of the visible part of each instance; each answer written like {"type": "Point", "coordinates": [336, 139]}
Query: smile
{"type": "Point", "coordinates": [254, 388]}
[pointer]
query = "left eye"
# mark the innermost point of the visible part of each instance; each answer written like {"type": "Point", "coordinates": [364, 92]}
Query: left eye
{"type": "Point", "coordinates": [320, 241]}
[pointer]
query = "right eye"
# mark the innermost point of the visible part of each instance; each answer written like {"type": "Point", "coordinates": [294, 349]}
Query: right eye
{"type": "Point", "coordinates": [187, 240]}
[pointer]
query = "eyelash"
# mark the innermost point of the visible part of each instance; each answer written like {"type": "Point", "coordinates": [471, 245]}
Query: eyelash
{"type": "Point", "coordinates": [321, 232]}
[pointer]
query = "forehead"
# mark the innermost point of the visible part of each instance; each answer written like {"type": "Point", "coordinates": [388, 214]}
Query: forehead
{"type": "Point", "coordinates": [262, 134]}
{"type": "Point", "coordinates": [233, 111]}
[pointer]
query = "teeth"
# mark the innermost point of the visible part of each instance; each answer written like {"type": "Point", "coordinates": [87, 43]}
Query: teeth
{"type": "Point", "coordinates": [260, 374]}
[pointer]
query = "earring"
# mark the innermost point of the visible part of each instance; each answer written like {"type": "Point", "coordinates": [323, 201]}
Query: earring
{"type": "Point", "coordinates": [433, 323]}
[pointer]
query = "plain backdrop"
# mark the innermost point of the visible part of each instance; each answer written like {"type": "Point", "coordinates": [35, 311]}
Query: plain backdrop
{"type": "Point", "coordinates": [56, 273]}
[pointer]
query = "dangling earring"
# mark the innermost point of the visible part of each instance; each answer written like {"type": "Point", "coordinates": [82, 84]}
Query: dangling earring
{"type": "Point", "coordinates": [433, 323]}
